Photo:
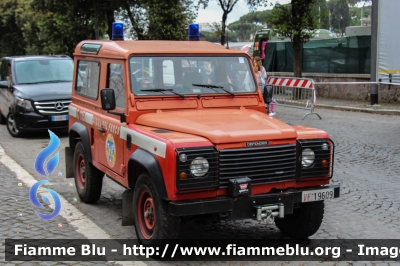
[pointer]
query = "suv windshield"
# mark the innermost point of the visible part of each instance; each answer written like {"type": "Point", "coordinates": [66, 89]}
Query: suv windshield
{"type": "Point", "coordinates": [191, 75]}
{"type": "Point", "coordinates": [44, 70]}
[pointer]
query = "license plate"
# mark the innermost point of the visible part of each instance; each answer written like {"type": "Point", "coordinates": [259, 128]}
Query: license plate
{"type": "Point", "coordinates": [59, 118]}
{"type": "Point", "coordinates": [316, 195]}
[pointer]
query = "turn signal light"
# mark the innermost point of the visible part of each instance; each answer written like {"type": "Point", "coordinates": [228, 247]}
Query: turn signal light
{"type": "Point", "coordinates": [182, 176]}
{"type": "Point", "coordinates": [324, 163]}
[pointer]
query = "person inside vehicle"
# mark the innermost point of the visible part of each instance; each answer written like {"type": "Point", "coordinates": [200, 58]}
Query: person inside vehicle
{"type": "Point", "coordinates": [207, 73]}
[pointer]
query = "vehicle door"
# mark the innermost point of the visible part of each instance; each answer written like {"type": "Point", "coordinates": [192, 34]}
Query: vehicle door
{"type": "Point", "coordinates": [5, 92]}
{"type": "Point", "coordinates": [111, 145]}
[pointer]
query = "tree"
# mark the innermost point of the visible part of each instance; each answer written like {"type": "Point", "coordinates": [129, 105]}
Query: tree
{"type": "Point", "coordinates": [227, 7]}
{"type": "Point", "coordinates": [12, 39]}
{"type": "Point", "coordinates": [297, 21]}
{"type": "Point", "coordinates": [340, 15]}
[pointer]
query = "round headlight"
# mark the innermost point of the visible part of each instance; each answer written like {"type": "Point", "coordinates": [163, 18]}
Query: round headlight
{"type": "Point", "coordinates": [308, 157]}
{"type": "Point", "coordinates": [199, 166]}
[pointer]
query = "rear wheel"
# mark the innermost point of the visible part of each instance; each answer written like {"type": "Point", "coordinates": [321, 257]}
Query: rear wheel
{"type": "Point", "coordinates": [12, 126]}
{"type": "Point", "coordinates": [304, 222]}
{"type": "Point", "coordinates": [153, 223]}
{"type": "Point", "coordinates": [88, 179]}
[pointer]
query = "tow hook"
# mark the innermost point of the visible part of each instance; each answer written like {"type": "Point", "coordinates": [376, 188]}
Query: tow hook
{"type": "Point", "coordinates": [269, 212]}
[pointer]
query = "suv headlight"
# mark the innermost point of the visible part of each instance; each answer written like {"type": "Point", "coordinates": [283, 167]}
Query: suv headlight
{"type": "Point", "coordinates": [24, 103]}
{"type": "Point", "coordinates": [307, 157]}
{"type": "Point", "coordinates": [199, 166]}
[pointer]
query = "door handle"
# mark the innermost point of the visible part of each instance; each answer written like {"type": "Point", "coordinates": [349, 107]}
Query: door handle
{"type": "Point", "coordinates": [102, 130]}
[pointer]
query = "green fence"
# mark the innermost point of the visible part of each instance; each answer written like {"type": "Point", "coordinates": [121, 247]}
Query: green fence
{"type": "Point", "coordinates": [350, 55]}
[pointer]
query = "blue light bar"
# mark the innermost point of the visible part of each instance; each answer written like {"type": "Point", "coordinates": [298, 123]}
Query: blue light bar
{"type": "Point", "coordinates": [194, 32]}
{"type": "Point", "coordinates": [117, 31]}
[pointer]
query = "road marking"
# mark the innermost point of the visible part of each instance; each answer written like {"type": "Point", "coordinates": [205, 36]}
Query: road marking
{"type": "Point", "coordinates": [82, 224]}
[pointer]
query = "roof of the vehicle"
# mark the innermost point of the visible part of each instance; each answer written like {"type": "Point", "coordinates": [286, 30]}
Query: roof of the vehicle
{"type": "Point", "coordinates": [123, 49]}
{"type": "Point", "coordinates": [33, 57]}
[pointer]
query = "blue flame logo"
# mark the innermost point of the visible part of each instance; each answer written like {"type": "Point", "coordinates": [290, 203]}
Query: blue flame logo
{"type": "Point", "coordinates": [45, 153]}
{"type": "Point", "coordinates": [50, 166]}
{"type": "Point", "coordinates": [35, 200]}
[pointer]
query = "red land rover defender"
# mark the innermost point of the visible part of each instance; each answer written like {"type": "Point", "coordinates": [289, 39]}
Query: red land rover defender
{"type": "Point", "coordinates": [182, 125]}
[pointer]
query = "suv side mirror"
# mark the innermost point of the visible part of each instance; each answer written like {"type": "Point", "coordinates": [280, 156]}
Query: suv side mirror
{"type": "Point", "coordinates": [108, 99]}
{"type": "Point", "coordinates": [108, 103]}
{"type": "Point", "coordinates": [267, 95]}
{"type": "Point", "coordinates": [9, 82]}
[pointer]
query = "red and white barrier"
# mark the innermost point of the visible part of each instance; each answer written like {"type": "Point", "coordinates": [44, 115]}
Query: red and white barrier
{"type": "Point", "coordinates": [291, 82]}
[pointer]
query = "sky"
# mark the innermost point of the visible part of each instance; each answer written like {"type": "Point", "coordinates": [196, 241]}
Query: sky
{"type": "Point", "coordinates": [213, 13]}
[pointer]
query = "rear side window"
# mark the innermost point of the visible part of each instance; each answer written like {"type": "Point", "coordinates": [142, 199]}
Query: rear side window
{"type": "Point", "coordinates": [87, 81]}
{"type": "Point", "coordinates": [115, 81]}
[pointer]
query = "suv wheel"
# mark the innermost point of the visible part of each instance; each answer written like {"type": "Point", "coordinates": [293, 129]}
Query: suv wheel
{"type": "Point", "coordinates": [88, 179]}
{"type": "Point", "coordinates": [304, 222]}
{"type": "Point", "coordinates": [153, 223]}
{"type": "Point", "coordinates": [12, 126]}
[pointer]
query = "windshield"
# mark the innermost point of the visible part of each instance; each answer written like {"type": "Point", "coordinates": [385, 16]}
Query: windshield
{"type": "Point", "coordinates": [44, 71]}
{"type": "Point", "coordinates": [191, 75]}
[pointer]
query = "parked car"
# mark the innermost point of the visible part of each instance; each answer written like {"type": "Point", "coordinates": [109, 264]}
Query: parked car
{"type": "Point", "coordinates": [35, 92]}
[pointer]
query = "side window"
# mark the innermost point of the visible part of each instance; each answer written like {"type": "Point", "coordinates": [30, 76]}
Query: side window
{"type": "Point", "coordinates": [5, 69]}
{"type": "Point", "coordinates": [115, 81]}
{"type": "Point", "coordinates": [168, 73]}
{"type": "Point", "coordinates": [87, 81]}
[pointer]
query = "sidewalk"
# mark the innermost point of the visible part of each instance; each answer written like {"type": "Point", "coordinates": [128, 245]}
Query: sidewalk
{"type": "Point", "coordinates": [19, 221]}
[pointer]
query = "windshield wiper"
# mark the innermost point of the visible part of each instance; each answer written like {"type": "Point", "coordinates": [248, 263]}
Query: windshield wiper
{"type": "Point", "coordinates": [162, 90]}
{"type": "Point", "coordinates": [211, 86]}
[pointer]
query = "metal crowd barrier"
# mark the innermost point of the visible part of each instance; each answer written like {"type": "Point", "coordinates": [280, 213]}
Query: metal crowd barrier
{"type": "Point", "coordinates": [294, 92]}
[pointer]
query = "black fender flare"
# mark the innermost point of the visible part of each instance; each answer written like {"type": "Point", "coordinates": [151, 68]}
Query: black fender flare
{"type": "Point", "coordinates": [80, 129]}
{"type": "Point", "coordinates": [147, 161]}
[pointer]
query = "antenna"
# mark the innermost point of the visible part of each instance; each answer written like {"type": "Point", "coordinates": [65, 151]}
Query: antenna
{"type": "Point", "coordinates": [227, 40]}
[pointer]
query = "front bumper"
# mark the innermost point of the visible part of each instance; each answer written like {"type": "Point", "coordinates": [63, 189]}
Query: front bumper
{"type": "Point", "coordinates": [243, 207]}
{"type": "Point", "coordinates": [31, 121]}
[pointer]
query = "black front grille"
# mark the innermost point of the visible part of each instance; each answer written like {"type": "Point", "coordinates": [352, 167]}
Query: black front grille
{"type": "Point", "coordinates": [323, 163]}
{"type": "Point", "coordinates": [209, 180]}
{"type": "Point", "coordinates": [261, 164]}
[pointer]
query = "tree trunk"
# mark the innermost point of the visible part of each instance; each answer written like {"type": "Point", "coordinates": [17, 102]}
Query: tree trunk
{"type": "Point", "coordinates": [110, 20]}
{"type": "Point", "coordinates": [297, 50]}
{"type": "Point", "coordinates": [223, 26]}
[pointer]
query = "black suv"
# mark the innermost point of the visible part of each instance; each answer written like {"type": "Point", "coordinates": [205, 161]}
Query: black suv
{"type": "Point", "coordinates": [35, 92]}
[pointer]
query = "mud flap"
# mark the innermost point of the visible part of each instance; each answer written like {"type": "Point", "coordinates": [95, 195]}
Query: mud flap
{"type": "Point", "coordinates": [69, 171]}
{"type": "Point", "coordinates": [127, 208]}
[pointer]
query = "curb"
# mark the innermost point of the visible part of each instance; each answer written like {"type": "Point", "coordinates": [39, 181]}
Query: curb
{"type": "Point", "coordinates": [358, 109]}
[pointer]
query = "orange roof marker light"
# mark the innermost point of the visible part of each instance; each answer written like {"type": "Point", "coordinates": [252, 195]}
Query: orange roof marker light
{"type": "Point", "coordinates": [194, 32]}
{"type": "Point", "coordinates": [117, 31]}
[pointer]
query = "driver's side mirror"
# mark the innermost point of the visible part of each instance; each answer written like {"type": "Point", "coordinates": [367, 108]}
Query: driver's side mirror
{"type": "Point", "coordinates": [268, 93]}
{"type": "Point", "coordinates": [108, 99]}
{"type": "Point", "coordinates": [9, 82]}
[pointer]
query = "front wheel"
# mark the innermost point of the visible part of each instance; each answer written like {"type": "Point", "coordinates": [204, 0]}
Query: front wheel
{"type": "Point", "coordinates": [88, 179]}
{"type": "Point", "coordinates": [304, 222]}
{"type": "Point", "coordinates": [153, 223]}
{"type": "Point", "coordinates": [12, 126]}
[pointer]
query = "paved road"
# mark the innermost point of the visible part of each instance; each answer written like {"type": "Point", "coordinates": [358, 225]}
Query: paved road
{"type": "Point", "coordinates": [367, 165]}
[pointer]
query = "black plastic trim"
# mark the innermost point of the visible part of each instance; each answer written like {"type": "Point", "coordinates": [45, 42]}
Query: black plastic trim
{"type": "Point", "coordinates": [241, 208]}
{"type": "Point", "coordinates": [150, 163]}
{"type": "Point", "coordinates": [83, 132]}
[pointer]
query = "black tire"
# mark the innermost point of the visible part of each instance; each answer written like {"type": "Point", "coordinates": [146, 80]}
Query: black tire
{"type": "Point", "coordinates": [153, 224]}
{"type": "Point", "coordinates": [12, 125]}
{"type": "Point", "coordinates": [304, 222]}
{"type": "Point", "coordinates": [2, 119]}
{"type": "Point", "coordinates": [88, 179]}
